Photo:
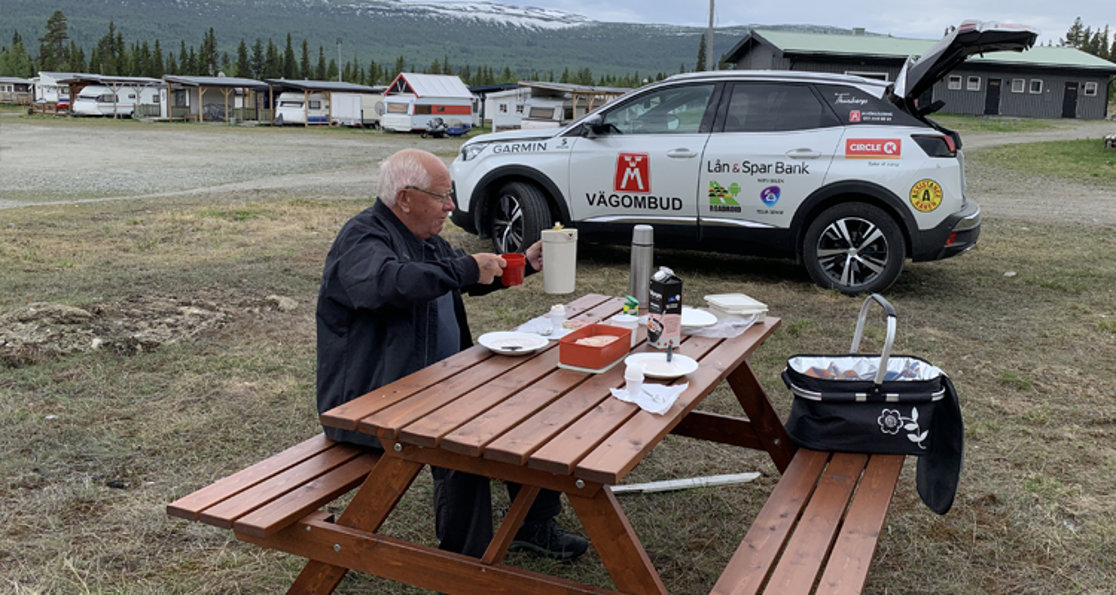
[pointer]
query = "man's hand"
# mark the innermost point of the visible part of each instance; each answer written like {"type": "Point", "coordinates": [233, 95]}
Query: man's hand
{"type": "Point", "coordinates": [490, 265]}
{"type": "Point", "coordinates": [534, 256]}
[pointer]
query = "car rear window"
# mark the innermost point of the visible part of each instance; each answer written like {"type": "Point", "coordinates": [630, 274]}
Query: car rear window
{"type": "Point", "coordinates": [768, 107]}
{"type": "Point", "coordinates": [855, 107]}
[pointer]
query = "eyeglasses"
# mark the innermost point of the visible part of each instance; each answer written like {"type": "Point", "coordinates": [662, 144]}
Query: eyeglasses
{"type": "Point", "coordinates": [446, 198]}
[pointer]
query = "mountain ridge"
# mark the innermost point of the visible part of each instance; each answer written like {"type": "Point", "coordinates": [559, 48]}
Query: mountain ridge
{"type": "Point", "coordinates": [527, 40]}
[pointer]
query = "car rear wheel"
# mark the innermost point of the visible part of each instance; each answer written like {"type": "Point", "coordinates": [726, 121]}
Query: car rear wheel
{"type": "Point", "coordinates": [518, 217]}
{"type": "Point", "coordinates": [854, 248]}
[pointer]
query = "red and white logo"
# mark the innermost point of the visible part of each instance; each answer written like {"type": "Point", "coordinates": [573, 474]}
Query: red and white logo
{"type": "Point", "coordinates": [854, 115]}
{"type": "Point", "coordinates": [873, 148]}
{"type": "Point", "coordinates": [633, 172]}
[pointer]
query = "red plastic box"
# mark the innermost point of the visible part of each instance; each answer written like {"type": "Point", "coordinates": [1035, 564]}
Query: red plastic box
{"type": "Point", "coordinates": [590, 357]}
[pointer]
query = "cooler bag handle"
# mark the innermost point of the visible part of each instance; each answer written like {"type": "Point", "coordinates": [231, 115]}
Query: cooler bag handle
{"type": "Point", "coordinates": [889, 310]}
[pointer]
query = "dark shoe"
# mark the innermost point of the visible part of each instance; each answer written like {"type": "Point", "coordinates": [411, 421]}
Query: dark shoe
{"type": "Point", "coordinates": [550, 540]}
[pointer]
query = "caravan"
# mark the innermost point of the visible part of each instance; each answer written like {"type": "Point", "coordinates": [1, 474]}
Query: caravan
{"type": "Point", "coordinates": [99, 100]}
{"type": "Point", "coordinates": [415, 101]}
{"type": "Point", "coordinates": [295, 107]}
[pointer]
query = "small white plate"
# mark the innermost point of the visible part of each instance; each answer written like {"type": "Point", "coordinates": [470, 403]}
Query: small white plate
{"type": "Point", "coordinates": [509, 343]}
{"type": "Point", "coordinates": [656, 366]}
{"type": "Point", "coordinates": [694, 318]}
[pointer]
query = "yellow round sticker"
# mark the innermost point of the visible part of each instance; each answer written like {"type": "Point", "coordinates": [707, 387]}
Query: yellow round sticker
{"type": "Point", "coordinates": [926, 195]}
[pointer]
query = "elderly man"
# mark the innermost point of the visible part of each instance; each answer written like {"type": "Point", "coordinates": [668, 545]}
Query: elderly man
{"type": "Point", "coordinates": [390, 304]}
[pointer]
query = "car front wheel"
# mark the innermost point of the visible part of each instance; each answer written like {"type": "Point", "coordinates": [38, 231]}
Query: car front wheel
{"type": "Point", "coordinates": [518, 217]}
{"type": "Point", "coordinates": [855, 248]}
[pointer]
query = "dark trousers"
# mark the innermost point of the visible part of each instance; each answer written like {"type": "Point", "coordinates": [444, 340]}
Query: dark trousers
{"type": "Point", "coordinates": [463, 510]}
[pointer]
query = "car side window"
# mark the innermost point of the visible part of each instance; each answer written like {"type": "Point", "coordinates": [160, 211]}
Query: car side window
{"type": "Point", "coordinates": [770, 107]}
{"type": "Point", "coordinates": [674, 110]}
{"type": "Point", "coordinates": [856, 107]}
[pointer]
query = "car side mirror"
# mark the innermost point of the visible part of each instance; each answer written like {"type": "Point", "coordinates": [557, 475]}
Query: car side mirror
{"type": "Point", "coordinates": [593, 126]}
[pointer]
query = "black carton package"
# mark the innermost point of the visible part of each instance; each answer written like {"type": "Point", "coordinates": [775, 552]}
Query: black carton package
{"type": "Point", "coordinates": [664, 310]}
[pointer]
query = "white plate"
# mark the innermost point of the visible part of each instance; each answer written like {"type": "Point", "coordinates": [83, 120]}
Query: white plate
{"type": "Point", "coordinates": [656, 366]}
{"type": "Point", "coordinates": [694, 318]}
{"type": "Point", "coordinates": [508, 343]}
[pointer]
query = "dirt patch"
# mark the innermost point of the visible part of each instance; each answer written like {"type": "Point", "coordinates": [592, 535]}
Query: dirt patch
{"type": "Point", "coordinates": [42, 330]}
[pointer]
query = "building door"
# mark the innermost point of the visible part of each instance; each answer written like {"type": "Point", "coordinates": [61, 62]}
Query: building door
{"type": "Point", "coordinates": [992, 98]}
{"type": "Point", "coordinates": [1069, 101]}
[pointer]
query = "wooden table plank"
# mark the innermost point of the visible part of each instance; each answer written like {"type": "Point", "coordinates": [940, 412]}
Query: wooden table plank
{"type": "Point", "coordinates": [495, 399]}
{"type": "Point", "coordinates": [622, 449]}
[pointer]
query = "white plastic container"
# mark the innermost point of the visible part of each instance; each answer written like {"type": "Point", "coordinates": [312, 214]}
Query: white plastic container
{"type": "Point", "coordinates": [628, 321]}
{"type": "Point", "coordinates": [633, 379]}
{"type": "Point", "coordinates": [559, 260]}
{"type": "Point", "coordinates": [736, 305]}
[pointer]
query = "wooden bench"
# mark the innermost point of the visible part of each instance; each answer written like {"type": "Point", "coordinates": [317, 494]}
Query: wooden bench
{"type": "Point", "coordinates": [269, 496]}
{"type": "Point", "coordinates": [818, 530]}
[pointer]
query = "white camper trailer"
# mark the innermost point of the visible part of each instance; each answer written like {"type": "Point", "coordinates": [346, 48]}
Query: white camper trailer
{"type": "Point", "coordinates": [296, 107]}
{"type": "Point", "coordinates": [99, 100]}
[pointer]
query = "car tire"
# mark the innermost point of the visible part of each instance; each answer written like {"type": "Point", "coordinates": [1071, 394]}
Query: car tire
{"type": "Point", "coordinates": [854, 248]}
{"type": "Point", "coordinates": [517, 217]}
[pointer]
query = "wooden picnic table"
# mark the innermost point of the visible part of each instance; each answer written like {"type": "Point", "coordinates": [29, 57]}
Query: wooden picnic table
{"type": "Point", "coordinates": [525, 420]}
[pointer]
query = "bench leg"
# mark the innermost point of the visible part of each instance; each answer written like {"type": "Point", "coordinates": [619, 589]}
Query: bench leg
{"type": "Point", "coordinates": [377, 497]}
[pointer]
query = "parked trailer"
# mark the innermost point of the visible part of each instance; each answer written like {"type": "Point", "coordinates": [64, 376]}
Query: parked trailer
{"type": "Point", "coordinates": [295, 107]}
{"type": "Point", "coordinates": [99, 100]}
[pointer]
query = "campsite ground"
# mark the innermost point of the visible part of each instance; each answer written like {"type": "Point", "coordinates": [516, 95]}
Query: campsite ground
{"type": "Point", "coordinates": [158, 292]}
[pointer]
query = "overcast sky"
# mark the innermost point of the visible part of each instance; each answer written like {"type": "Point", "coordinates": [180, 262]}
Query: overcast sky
{"type": "Point", "coordinates": [901, 18]}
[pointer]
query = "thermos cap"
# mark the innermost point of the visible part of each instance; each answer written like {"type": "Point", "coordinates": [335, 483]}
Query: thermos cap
{"type": "Point", "coordinates": [643, 234]}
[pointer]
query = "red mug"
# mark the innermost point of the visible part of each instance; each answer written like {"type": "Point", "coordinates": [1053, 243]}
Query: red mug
{"type": "Point", "coordinates": [513, 272]}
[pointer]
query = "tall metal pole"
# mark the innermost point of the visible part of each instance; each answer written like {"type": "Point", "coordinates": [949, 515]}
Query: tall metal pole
{"type": "Point", "coordinates": [709, 40]}
{"type": "Point", "coordinates": [339, 59]}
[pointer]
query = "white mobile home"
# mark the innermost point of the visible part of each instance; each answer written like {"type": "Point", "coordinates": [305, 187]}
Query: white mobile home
{"type": "Point", "coordinates": [50, 88]}
{"type": "Point", "coordinates": [413, 100]}
{"type": "Point", "coordinates": [305, 101]}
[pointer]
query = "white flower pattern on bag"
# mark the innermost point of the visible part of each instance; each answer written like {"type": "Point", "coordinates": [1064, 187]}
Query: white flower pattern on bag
{"type": "Point", "coordinates": [892, 421]}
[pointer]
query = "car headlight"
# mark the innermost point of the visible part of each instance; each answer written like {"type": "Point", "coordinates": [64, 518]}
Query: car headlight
{"type": "Point", "coordinates": [471, 150]}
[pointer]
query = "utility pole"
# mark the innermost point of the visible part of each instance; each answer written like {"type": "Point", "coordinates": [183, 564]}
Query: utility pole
{"type": "Point", "coordinates": [339, 57]}
{"type": "Point", "coordinates": [709, 40]}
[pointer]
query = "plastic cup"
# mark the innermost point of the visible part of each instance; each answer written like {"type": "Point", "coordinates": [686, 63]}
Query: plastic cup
{"type": "Point", "coordinates": [513, 272]}
{"type": "Point", "coordinates": [633, 379]}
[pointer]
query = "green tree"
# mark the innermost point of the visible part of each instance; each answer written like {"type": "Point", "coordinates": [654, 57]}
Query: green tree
{"type": "Point", "coordinates": [289, 64]}
{"type": "Point", "coordinates": [304, 63]}
{"type": "Point", "coordinates": [15, 61]}
{"type": "Point", "coordinates": [375, 73]}
{"type": "Point", "coordinates": [53, 43]}
{"type": "Point", "coordinates": [273, 64]}
{"type": "Point", "coordinates": [701, 55]}
{"type": "Point", "coordinates": [322, 69]}
{"type": "Point", "coordinates": [258, 60]}
{"type": "Point", "coordinates": [208, 59]}
{"type": "Point", "coordinates": [1075, 35]}
{"type": "Point", "coordinates": [156, 68]}
{"type": "Point", "coordinates": [77, 58]}
{"type": "Point", "coordinates": [243, 66]}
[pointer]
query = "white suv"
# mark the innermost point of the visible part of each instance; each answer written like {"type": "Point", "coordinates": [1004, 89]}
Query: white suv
{"type": "Point", "coordinates": [845, 174]}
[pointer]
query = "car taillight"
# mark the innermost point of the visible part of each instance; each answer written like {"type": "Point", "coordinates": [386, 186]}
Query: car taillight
{"type": "Point", "coordinates": [935, 145]}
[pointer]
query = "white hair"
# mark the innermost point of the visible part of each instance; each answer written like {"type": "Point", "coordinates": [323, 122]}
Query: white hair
{"type": "Point", "coordinates": [404, 168]}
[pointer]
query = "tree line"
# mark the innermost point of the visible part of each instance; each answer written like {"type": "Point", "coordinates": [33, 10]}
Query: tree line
{"type": "Point", "coordinates": [112, 55]}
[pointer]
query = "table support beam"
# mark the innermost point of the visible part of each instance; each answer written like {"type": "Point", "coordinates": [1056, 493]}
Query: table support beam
{"type": "Point", "coordinates": [612, 535]}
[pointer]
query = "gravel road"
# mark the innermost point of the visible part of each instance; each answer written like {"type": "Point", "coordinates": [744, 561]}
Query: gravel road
{"type": "Point", "coordinates": [56, 162]}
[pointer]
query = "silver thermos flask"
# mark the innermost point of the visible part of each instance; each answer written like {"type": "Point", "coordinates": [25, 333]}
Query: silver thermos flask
{"type": "Point", "coordinates": [643, 248]}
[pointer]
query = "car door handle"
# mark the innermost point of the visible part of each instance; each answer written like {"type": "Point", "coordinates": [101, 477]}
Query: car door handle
{"type": "Point", "coordinates": [681, 153]}
{"type": "Point", "coordinates": [803, 154]}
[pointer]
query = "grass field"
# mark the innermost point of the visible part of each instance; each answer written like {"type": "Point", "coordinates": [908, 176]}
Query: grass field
{"type": "Point", "coordinates": [204, 374]}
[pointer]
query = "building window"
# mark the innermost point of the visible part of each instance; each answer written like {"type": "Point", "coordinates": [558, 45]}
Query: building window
{"type": "Point", "coordinates": [973, 84]}
{"type": "Point", "coordinates": [1036, 86]}
{"type": "Point", "coordinates": [868, 75]}
{"type": "Point", "coordinates": [954, 82]}
{"type": "Point", "coordinates": [519, 109]}
{"type": "Point", "coordinates": [1018, 85]}
{"type": "Point", "coordinates": [503, 108]}
{"type": "Point", "coordinates": [1091, 88]}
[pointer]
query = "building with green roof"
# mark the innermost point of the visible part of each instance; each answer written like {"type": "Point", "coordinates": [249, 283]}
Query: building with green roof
{"type": "Point", "coordinates": [1043, 82]}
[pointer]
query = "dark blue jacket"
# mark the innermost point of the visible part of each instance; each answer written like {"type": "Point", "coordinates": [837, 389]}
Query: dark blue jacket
{"type": "Point", "coordinates": [376, 316]}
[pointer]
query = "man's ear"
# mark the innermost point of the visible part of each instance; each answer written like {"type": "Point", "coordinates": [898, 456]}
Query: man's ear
{"type": "Point", "coordinates": [403, 200]}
